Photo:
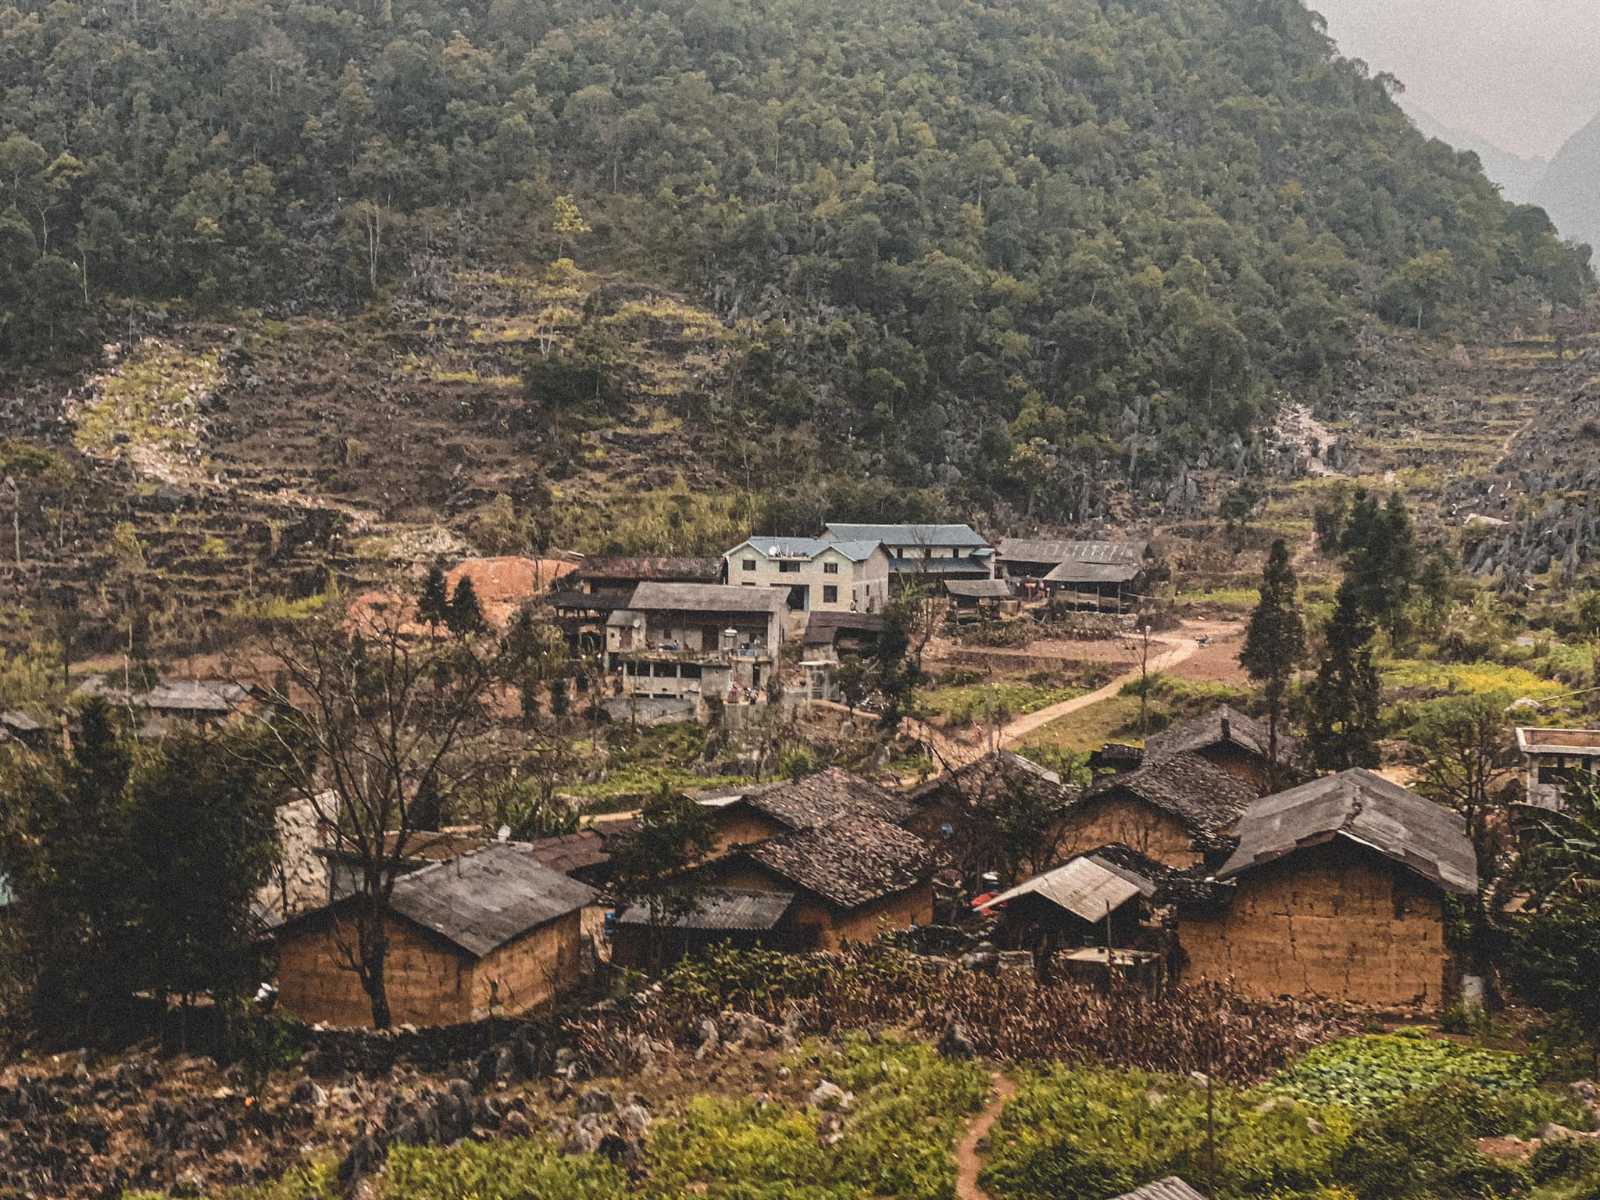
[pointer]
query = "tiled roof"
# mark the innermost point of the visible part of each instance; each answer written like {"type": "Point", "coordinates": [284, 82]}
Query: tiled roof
{"type": "Point", "coordinates": [1425, 837]}
{"type": "Point", "coordinates": [483, 900]}
{"type": "Point", "coordinates": [571, 852]}
{"type": "Point", "coordinates": [1222, 724]}
{"type": "Point", "coordinates": [849, 862]}
{"type": "Point", "coordinates": [193, 695]}
{"type": "Point", "coordinates": [1082, 572]}
{"type": "Point", "coordinates": [1207, 799]}
{"type": "Point", "coordinates": [823, 798]}
{"type": "Point", "coordinates": [994, 778]}
{"type": "Point", "coordinates": [1043, 551]}
{"type": "Point", "coordinates": [706, 597]}
{"type": "Point", "coordinates": [660, 568]}
{"type": "Point", "coordinates": [824, 628]}
{"type": "Point", "coordinates": [942, 536]}
{"type": "Point", "coordinates": [718, 909]}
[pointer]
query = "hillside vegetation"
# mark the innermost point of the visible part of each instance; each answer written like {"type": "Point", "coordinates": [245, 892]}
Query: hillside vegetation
{"type": "Point", "coordinates": [1003, 253]}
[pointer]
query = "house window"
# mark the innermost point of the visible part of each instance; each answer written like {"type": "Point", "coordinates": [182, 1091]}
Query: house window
{"type": "Point", "coordinates": [788, 568]}
{"type": "Point", "coordinates": [749, 564]}
{"type": "Point", "coordinates": [830, 568]}
{"type": "Point", "coordinates": [830, 594]}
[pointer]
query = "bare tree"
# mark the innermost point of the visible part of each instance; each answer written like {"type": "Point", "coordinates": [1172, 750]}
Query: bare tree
{"type": "Point", "coordinates": [378, 715]}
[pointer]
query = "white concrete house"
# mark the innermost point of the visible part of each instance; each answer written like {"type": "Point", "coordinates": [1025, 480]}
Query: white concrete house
{"type": "Point", "coordinates": [815, 575]}
{"type": "Point", "coordinates": [929, 554]}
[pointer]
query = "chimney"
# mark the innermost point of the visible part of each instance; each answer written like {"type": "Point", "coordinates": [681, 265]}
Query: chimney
{"type": "Point", "coordinates": [1227, 728]}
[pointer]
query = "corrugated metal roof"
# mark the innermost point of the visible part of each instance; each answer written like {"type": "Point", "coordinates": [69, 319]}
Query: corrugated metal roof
{"type": "Point", "coordinates": [483, 900]}
{"type": "Point", "coordinates": [1428, 838]}
{"type": "Point", "coordinates": [979, 589]}
{"type": "Point", "coordinates": [941, 536]}
{"type": "Point", "coordinates": [706, 597]}
{"type": "Point", "coordinates": [1170, 1188]}
{"type": "Point", "coordinates": [1082, 572]}
{"type": "Point", "coordinates": [800, 547]}
{"type": "Point", "coordinates": [720, 909]}
{"type": "Point", "coordinates": [193, 695]}
{"type": "Point", "coordinates": [1086, 887]}
{"type": "Point", "coordinates": [1038, 550]}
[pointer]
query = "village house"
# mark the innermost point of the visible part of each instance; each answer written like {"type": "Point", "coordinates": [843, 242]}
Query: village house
{"type": "Point", "coordinates": [696, 643]}
{"type": "Point", "coordinates": [598, 587]}
{"type": "Point", "coordinates": [1554, 759]}
{"type": "Point", "coordinates": [648, 939]}
{"type": "Point", "coordinates": [1336, 889]}
{"type": "Point", "coordinates": [1170, 1188]}
{"type": "Point", "coordinates": [975, 598]}
{"type": "Point", "coordinates": [1232, 740]}
{"type": "Point", "coordinates": [813, 575]}
{"type": "Point", "coordinates": [950, 810]}
{"type": "Point", "coordinates": [1101, 898]}
{"type": "Point", "coordinates": [745, 816]}
{"type": "Point", "coordinates": [852, 879]}
{"type": "Point", "coordinates": [1176, 810]}
{"type": "Point", "coordinates": [488, 931]}
{"type": "Point", "coordinates": [929, 554]}
{"type": "Point", "coordinates": [827, 640]}
{"type": "Point", "coordinates": [1102, 575]}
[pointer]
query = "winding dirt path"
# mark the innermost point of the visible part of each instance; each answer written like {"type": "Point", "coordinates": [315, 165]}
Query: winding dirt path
{"type": "Point", "coordinates": [968, 1161]}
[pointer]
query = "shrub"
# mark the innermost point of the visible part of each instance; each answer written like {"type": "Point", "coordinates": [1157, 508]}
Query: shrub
{"type": "Point", "coordinates": [1422, 1148]}
{"type": "Point", "coordinates": [1367, 1073]}
{"type": "Point", "coordinates": [1565, 1158]}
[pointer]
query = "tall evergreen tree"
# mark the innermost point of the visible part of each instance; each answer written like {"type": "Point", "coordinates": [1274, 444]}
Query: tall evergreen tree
{"type": "Point", "coordinates": [465, 614]}
{"type": "Point", "coordinates": [433, 602]}
{"type": "Point", "coordinates": [1275, 641]}
{"type": "Point", "coordinates": [1381, 560]}
{"type": "Point", "coordinates": [1343, 726]}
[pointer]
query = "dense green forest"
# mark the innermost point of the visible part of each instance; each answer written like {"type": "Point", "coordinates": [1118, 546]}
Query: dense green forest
{"type": "Point", "coordinates": [1000, 246]}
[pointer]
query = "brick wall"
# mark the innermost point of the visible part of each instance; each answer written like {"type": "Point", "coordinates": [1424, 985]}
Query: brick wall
{"type": "Point", "coordinates": [1335, 921]}
{"type": "Point", "coordinates": [1147, 829]}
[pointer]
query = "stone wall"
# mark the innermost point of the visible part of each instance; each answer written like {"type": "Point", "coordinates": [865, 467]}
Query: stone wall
{"type": "Point", "coordinates": [1335, 921]}
{"type": "Point", "coordinates": [300, 878]}
{"type": "Point", "coordinates": [1122, 819]}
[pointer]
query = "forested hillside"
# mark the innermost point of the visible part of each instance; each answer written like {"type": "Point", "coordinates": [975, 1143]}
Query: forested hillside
{"type": "Point", "coordinates": [998, 249]}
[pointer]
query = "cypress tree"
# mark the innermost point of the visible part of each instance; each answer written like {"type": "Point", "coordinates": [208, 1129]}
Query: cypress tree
{"type": "Point", "coordinates": [1275, 640]}
{"type": "Point", "coordinates": [433, 603]}
{"type": "Point", "coordinates": [1344, 722]}
{"type": "Point", "coordinates": [465, 614]}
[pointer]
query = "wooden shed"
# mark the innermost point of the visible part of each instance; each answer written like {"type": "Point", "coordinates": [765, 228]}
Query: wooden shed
{"type": "Point", "coordinates": [1336, 890]}
{"type": "Point", "coordinates": [491, 930]}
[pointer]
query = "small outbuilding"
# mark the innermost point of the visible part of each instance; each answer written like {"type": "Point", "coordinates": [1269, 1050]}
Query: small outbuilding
{"type": "Point", "coordinates": [716, 917]}
{"type": "Point", "coordinates": [985, 597]}
{"type": "Point", "coordinates": [492, 930]}
{"type": "Point", "coordinates": [1336, 889]}
{"type": "Point", "coordinates": [1088, 900]}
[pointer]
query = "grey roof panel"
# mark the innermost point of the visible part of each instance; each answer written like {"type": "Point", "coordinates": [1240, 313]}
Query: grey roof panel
{"type": "Point", "coordinates": [979, 589]}
{"type": "Point", "coordinates": [483, 900]}
{"type": "Point", "coordinates": [849, 862]}
{"type": "Point", "coordinates": [706, 597]}
{"type": "Point", "coordinates": [194, 695]}
{"type": "Point", "coordinates": [800, 547]}
{"type": "Point", "coordinates": [1170, 1188]}
{"type": "Point", "coordinates": [1427, 838]}
{"type": "Point", "coordinates": [720, 909]}
{"type": "Point", "coordinates": [1086, 887]}
{"type": "Point", "coordinates": [941, 536]}
{"type": "Point", "coordinates": [1037, 550]}
{"type": "Point", "coordinates": [1082, 572]}
{"type": "Point", "coordinates": [19, 722]}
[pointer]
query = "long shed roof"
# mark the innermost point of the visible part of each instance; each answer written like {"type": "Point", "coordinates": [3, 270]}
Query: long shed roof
{"type": "Point", "coordinates": [1364, 807]}
{"type": "Point", "coordinates": [706, 597]}
{"type": "Point", "coordinates": [943, 536]}
{"type": "Point", "coordinates": [718, 909]}
{"type": "Point", "coordinates": [1037, 550]}
{"type": "Point", "coordinates": [1088, 887]}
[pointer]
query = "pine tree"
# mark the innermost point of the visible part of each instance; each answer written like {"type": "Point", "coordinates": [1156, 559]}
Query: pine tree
{"type": "Point", "coordinates": [1381, 560]}
{"type": "Point", "coordinates": [433, 603]}
{"type": "Point", "coordinates": [465, 614]}
{"type": "Point", "coordinates": [1344, 727]}
{"type": "Point", "coordinates": [1275, 641]}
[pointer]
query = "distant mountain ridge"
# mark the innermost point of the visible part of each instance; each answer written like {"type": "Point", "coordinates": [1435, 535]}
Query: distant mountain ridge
{"type": "Point", "coordinates": [1570, 189]}
{"type": "Point", "coordinates": [1518, 177]}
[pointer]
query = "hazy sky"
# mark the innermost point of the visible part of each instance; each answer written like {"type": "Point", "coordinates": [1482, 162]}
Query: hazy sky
{"type": "Point", "coordinates": [1520, 73]}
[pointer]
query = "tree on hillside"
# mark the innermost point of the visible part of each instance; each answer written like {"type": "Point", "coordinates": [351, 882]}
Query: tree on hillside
{"type": "Point", "coordinates": [1275, 640]}
{"type": "Point", "coordinates": [433, 600]}
{"type": "Point", "coordinates": [376, 718]}
{"type": "Point", "coordinates": [465, 614]}
{"type": "Point", "coordinates": [1381, 560]}
{"type": "Point", "coordinates": [1343, 725]}
{"type": "Point", "coordinates": [648, 864]}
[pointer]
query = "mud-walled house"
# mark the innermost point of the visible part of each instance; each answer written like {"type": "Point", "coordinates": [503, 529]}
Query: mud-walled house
{"type": "Point", "coordinates": [746, 816]}
{"type": "Point", "coordinates": [1176, 810]}
{"type": "Point", "coordinates": [493, 931]}
{"type": "Point", "coordinates": [1234, 741]}
{"type": "Point", "coordinates": [1336, 889]}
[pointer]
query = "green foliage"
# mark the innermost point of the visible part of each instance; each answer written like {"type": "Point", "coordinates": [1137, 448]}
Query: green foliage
{"type": "Point", "coordinates": [1275, 639]}
{"type": "Point", "coordinates": [1565, 1158]}
{"type": "Point", "coordinates": [433, 599]}
{"type": "Point", "coordinates": [512, 1169]}
{"type": "Point", "coordinates": [970, 704]}
{"type": "Point", "coordinates": [1421, 1148]}
{"type": "Point", "coordinates": [465, 614]}
{"type": "Point", "coordinates": [910, 1106]}
{"type": "Point", "coordinates": [1367, 1073]}
{"type": "Point", "coordinates": [1091, 1134]}
{"type": "Point", "coordinates": [1343, 722]}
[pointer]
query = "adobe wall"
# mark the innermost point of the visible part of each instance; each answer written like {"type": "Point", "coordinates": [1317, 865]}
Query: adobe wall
{"type": "Point", "coordinates": [1145, 828]}
{"type": "Point", "coordinates": [742, 827]}
{"type": "Point", "coordinates": [1241, 764]}
{"type": "Point", "coordinates": [1334, 921]}
{"type": "Point", "coordinates": [530, 972]}
{"type": "Point", "coordinates": [834, 927]}
{"type": "Point", "coordinates": [428, 981]}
